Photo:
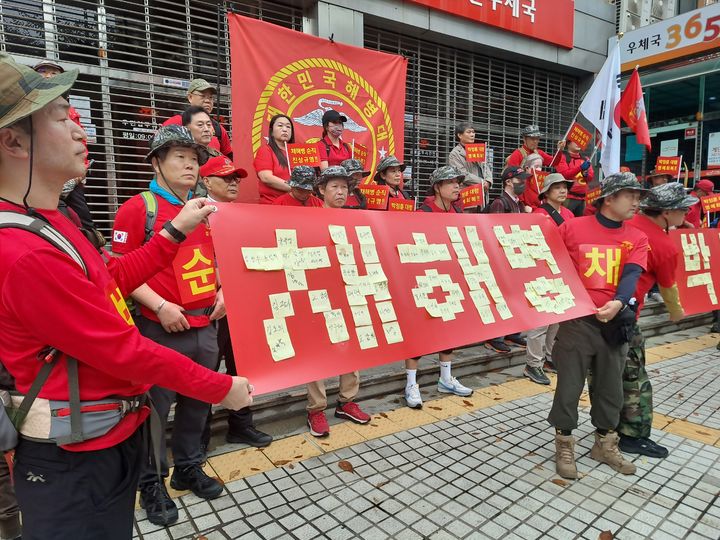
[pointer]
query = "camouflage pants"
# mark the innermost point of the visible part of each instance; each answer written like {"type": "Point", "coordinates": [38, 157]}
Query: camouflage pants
{"type": "Point", "coordinates": [637, 412]}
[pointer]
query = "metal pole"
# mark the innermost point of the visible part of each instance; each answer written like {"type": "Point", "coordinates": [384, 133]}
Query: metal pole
{"type": "Point", "coordinates": [415, 108]}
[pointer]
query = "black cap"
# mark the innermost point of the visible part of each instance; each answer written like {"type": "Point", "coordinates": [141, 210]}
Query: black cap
{"type": "Point", "coordinates": [333, 116]}
{"type": "Point", "coordinates": [514, 172]}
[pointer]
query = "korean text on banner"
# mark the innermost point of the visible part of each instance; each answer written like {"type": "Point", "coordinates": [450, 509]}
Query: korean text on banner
{"type": "Point", "coordinates": [592, 195]}
{"type": "Point", "coordinates": [376, 196]}
{"type": "Point", "coordinates": [471, 196]}
{"type": "Point", "coordinates": [579, 135]}
{"type": "Point", "coordinates": [475, 153]}
{"type": "Point", "coordinates": [711, 203]}
{"type": "Point", "coordinates": [698, 271]}
{"type": "Point", "coordinates": [303, 154]}
{"type": "Point", "coordinates": [669, 165]}
{"type": "Point", "coordinates": [396, 204]}
{"type": "Point", "coordinates": [360, 152]}
{"type": "Point", "coordinates": [280, 71]}
{"type": "Point", "coordinates": [346, 291]}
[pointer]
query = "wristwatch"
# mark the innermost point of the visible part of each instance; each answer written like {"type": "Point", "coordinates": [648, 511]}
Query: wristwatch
{"type": "Point", "coordinates": [172, 231]}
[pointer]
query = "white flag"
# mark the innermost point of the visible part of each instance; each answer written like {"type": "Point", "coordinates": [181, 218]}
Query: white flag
{"type": "Point", "coordinates": [599, 108]}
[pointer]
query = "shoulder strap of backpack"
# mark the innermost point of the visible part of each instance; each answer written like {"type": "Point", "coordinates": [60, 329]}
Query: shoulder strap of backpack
{"type": "Point", "coordinates": [218, 130]}
{"type": "Point", "coordinates": [554, 214]}
{"type": "Point", "coordinates": [151, 210]}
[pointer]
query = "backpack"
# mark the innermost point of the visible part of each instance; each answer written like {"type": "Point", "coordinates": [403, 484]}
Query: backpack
{"type": "Point", "coordinates": [506, 206]}
{"type": "Point", "coordinates": [327, 146]}
{"type": "Point", "coordinates": [151, 212]}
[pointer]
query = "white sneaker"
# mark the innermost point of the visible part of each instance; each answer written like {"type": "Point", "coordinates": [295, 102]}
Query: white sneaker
{"type": "Point", "coordinates": [413, 397]}
{"type": "Point", "coordinates": [453, 386]}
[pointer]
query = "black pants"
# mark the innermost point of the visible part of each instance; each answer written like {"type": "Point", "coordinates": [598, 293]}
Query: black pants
{"type": "Point", "coordinates": [9, 511]}
{"type": "Point", "coordinates": [200, 344]}
{"type": "Point", "coordinates": [77, 495]}
{"type": "Point", "coordinates": [240, 419]}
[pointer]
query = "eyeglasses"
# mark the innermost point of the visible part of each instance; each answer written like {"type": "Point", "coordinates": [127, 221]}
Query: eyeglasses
{"type": "Point", "coordinates": [206, 97]}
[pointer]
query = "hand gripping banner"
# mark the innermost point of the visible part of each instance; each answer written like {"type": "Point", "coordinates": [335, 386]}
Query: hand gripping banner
{"type": "Point", "coordinates": [312, 293]}
{"type": "Point", "coordinates": [698, 270]}
{"type": "Point", "coordinates": [280, 71]}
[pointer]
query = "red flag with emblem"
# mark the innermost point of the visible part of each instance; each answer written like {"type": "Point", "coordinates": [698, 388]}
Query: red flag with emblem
{"type": "Point", "coordinates": [632, 110]}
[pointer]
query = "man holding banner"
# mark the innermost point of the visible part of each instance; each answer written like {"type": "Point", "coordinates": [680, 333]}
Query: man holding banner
{"type": "Point", "coordinates": [475, 172]}
{"type": "Point", "coordinates": [696, 215]}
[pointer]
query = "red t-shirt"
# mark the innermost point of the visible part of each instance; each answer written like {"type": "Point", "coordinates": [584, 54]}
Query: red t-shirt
{"type": "Point", "coordinates": [572, 171]}
{"type": "Point", "coordinates": [224, 145]}
{"type": "Point", "coordinates": [189, 280]}
{"type": "Point", "coordinates": [47, 300]}
{"type": "Point", "coordinates": [695, 215]}
{"type": "Point", "coordinates": [662, 258]}
{"type": "Point", "coordinates": [266, 160]}
{"type": "Point", "coordinates": [530, 195]}
{"type": "Point", "coordinates": [516, 158]}
{"type": "Point", "coordinates": [564, 212]}
{"type": "Point", "coordinates": [337, 155]}
{"type": "Point", "coordinates": [600, 253]}
{"type": "Point", "coordinates": [289, 200]}
{"type": "Point", "coordinates": [430, 203]}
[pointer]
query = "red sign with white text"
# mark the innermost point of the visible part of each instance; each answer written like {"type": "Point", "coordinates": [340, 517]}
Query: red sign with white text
{"type": "Point", "coordinates": [303, 154]}
{"type": "Point", "coordinates": [375, 195]}
{"type": "Point", "coordinates": [592, 195]}
{"type": "Point", "coordinates": [710, 203]}
{"type": "Point", "coordinates": [475, 152]}
{"type": "Point", "coordinates": [670, 165]}
{"type": "Point", "coordinates": [360, 152]}
{"type": "Point", "coordinates": [396, 204]}
{"type": "Point", "coordinates": [275, 70]}
{"type": "Point", "coordinates": [579, 135]}
{"type": "Point", "coordinates": [698, 270]}
{"type": "Point", "coordinates": [471, 196]}
{"type": "Point", "coordinates": [552, 22]}
{"type": "Point", "coordinates": [338, 291]}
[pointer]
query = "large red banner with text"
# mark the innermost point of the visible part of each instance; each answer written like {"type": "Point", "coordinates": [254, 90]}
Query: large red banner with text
{"type": "Point", "coordinates": [280, 71]}
{"type": "Point", "coordinates": [698, 271]}
{"type": "Point", "coordinates": [315, 293]}
{"type": "Point", "coordinates": [551, 21]}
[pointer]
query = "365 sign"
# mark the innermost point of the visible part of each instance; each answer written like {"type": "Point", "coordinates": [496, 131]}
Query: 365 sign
{"type": "Point", "coordinates": [551, 21]}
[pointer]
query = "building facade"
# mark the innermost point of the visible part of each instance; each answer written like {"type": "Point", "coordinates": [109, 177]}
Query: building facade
{"type": "Point", "coordinates": [136, 58]}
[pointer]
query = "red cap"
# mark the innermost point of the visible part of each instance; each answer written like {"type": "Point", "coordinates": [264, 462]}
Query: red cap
{"type": "Point", "coordinates": [705, 185]}
{"type": "Point", "coordinates": [624, 169]}
{"type": "Point", "coordinates": [221, 166]}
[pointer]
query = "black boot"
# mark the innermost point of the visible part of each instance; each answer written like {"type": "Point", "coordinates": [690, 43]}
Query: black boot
{"type": "Point", "coordinates": [195, 479]}
{"type": "Point", "coordinates": [158, 505]}
{"type": "Point", "coordinates": [249, 435]}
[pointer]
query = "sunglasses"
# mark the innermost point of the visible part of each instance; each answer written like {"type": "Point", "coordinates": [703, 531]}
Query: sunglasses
{"type": "Point", "coordinates": [229, 179]}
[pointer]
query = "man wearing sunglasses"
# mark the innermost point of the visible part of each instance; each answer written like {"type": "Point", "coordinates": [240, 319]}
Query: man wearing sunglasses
{"type": "Point", "coordinates": [203, 94]}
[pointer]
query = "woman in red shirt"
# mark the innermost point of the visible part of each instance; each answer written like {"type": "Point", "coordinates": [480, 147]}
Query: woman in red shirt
{"type": "Point", "coordinates": [552, 196]}
{"type": "Point", "coordinates": [389, 173]}
{"type": "Point", "coordinates": [332, 149]}
{"type": "Point", "coordinates": [532, 165]}
{"type": "Point", "coordinates": [271, 162]}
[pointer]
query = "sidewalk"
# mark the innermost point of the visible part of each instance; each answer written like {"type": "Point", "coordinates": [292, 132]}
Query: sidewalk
{"type": "Point", "coordinates": [479, 467]}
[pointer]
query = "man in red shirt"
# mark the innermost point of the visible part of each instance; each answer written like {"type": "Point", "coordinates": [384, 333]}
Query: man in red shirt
{"type": "Point", "coordinates": [72, 310]}
{"type": "Point", "coordinates": [665, 206]}
{"type": "Point", "coordinates": [703, 188]}
{"type": "Point", "coordinates": [302, 183]}
{"type": "Point", "coordinates": [531, 138]}
{"type": "Point", "coordinates": [202, 94]}
{"type": "Point", "coordinates": [576, 167]}
{"type": "Point", "coordinates": [609, 257]}
{"type": "Point", "coordinates": [177, 308]}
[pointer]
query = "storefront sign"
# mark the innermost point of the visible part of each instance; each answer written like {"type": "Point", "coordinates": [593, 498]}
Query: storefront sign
{"type": "Point", "coordinates": [303, 154]}
{"type": "Point", "coordinates": [711, 203]}
{"type": "Point", "coordinates": [713, 152]}
{"type": "Point", "coordinates": [579, 135]}
{"type": "Point", "coordinates": [669, 147]}
{"type": "Point", "coordinates": [670, 165]}
{"type": "Point", "coordinates": [396, 204]}
{"type": "Point", "coordinates": [471, 196]}
{"type": "Point", "coordinates": [338, 291]}
{"type": "Point", "coordinates": [377, 196]}
{"type": "Point", "coordinates": [690, 133]}
{"type": "Point", "coordinates": [698, 270]}
{"type": "Point", "coordinates": [537, 19]}
{"type": "Point", "coordinates": [475, 153]}
{"type": "Point", "coordinates": [687, 34]}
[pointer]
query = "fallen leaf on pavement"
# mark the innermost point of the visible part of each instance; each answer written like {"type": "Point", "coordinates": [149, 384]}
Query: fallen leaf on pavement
{"type": "Point", "coordinates": [346, 466]}
{"type": "Point", "coordinates": [606, 535]}
{"type": "Point", "coordinates": [467, 403]}
{"type": "Point", "coordinates": [559, 482]}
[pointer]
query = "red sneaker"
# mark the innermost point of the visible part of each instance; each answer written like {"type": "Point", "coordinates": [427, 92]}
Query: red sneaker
{"type": "Point", "coordinates": [318, 424]}
{"type": "Point", "coordinates": [352, 412]}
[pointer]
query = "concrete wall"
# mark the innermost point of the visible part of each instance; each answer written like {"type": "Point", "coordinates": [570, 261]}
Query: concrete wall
{"type": "Point", "coordinates": [594, 24]}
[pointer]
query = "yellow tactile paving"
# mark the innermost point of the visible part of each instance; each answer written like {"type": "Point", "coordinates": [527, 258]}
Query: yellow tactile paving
{"type": "Point", "coordinates": [341, 436]}
{"type": "Point", "coordinates": [686, 429]}
{"type": "Point", "coordinates": [444, 408]}
{"type": "Point", "coordinates": [241, 463]}
{"type": "Point", "coordinates": [407, 418]}
{"type": "Point", "coordinates": [478, 400]}
{"type": "Point", "coordinates": [295, 448]}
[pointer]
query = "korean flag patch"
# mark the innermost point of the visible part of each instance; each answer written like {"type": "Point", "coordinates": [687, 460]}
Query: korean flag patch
{"type": "Point", "coordinates": [120, 237]}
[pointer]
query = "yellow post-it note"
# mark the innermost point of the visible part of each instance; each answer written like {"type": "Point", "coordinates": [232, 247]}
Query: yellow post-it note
{"type": "Point", "coordinates": [460, 250]}
{"type": "Point", "coordinates": [364, 234]}
{"type": "Point", "coordinates": [375, 272]}
{"type": "Point", "coordinates": [345, 254]}
{"type": "Point", "coordinates": [336, 327]}
{"type": "Point", "coordinates": [266, 259]}
{"type": "Point", "coordinates": [486, 314]}
{"type": "Point", "coordinates": [349, 274]}
{"type": "Point", "coordinates": [296, 280]}
{"type": "Point", "coordinates": [299, 260]}
{"type": "Point", "coordinates": [479, 297]}
{"type": "Point", "coordinates": [369, 253]}
{"type": "Point", "coordinates": [338, 234]}
{"type": "Point", "coordinates": [433, 308]}
{"type": "Point", "coordinates": [386, 311]}
{"type": "Point", "coordinates": [420, 239]}
{"type": "Point", "coordinates": [281, 305]}
{"type": "Point", "coordinates": [392, 332]}
{"type": "Point", "coordinates": [440, 252]}
{"type": "Point", "coordinates": [472, 234]}
{"type": "Point", "coordinates": [503, 310]}
{"type": "Point", "coordinates": [407, 253]}
{"type": "Point", "coordinates": [361, 315]}
{"type": "Point", "coordinates": [286, 238]}
{"type": "Point", "coordinates": [366, 337]}
{"type": "Point", "coordinates": [420, 295]}
{"type": "Point", "coordinates": [382, 291]}
{"type": "Point", "coordinates": [317, 257]}
{"type": "Point", "coordinates": [319, 301]}
{"type": "Point", "coordinates": [355, 295]}
{"type": "Point", "coordinates": [454, 234]}
{"type": "Point", "coordinates": [278, 339]}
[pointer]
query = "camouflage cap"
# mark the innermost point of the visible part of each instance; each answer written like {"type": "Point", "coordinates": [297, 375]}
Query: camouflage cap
{"type": "Point", "coordinates": [447, 172]}
{"type": "Point", "coordinates": [656, 173]}
{"type": "Point", "coordinates": [23, 91]}
{"type": "Point", "coordinates": [353, 166]}
{"type": "Point", "coordinates": [303, 177]}
{"type": "Point", "coordinates": [670, 196]}
{"type": "Point", "coordinates": [336, 171]}
{"type": "Point", "coordinates": [174, 135]}
{"type": "Point", "coordinates": [551, 180]}
{"type": "Point", "coordinates": [531, 131]}
{"type": "Point", "coordinates": [617, 182]}
{"type": "Point", "coordinates": [200, 85]}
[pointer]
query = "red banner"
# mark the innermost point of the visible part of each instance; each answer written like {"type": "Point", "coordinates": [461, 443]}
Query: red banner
{"type": "Point", "coordinates": [303, 154]}
{"type": "Point", "coordinates": [475, 152]}
{"type": "Point", "coordinates": [360, 152]}
{"type": "Point", "coordinates": [377, 196]}
{"type": "Point", "coordinates": [195, 270]}
{"type": "Point", "coordinates": [352, 290]}
{"type": "Point", "coordinates": [579, 135]}
{"type": "Point", "coordinates": [471, 196]}
{"type": "Point", "coordinates": [698, 271]}
{"type": "Point", "coordinates": [710, 203]}
{"type": "Point", "coordinates": [281, 71]}
{"type": "Point", "coordinates": [396, 204]}
{"type": "Point", "coordinates": [669, 165]}
{"type": "Point", "coordinates": [592, 195]}
{"type": "Point", "coordinates": [536, 19]}
{"type": "Point", "coordinates": [539, 179]}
